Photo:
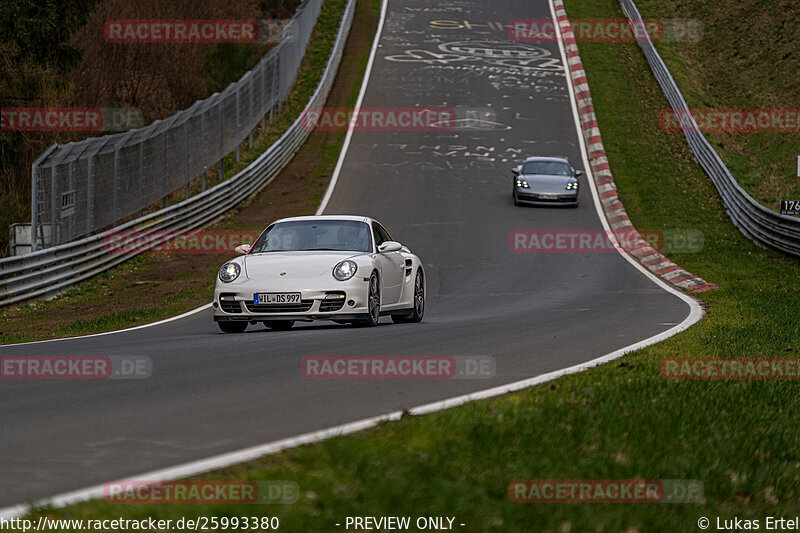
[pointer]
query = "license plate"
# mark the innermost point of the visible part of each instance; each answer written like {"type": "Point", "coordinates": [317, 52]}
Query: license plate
{"type": "Point", "coordinates": [276, 298]}
{"type": "Point", "coordinates": [548, 196]}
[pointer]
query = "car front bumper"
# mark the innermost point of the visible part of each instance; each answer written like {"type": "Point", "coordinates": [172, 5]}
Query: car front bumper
{"type": "Point", "coordinates": [526, 196]}
{"type": "Point", "coordinates": [236, 301]}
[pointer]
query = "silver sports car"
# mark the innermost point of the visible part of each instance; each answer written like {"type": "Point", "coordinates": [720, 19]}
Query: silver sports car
{"type": "Point", "coordinates": [546, 181]}
{"type": "Point", "coordinates": [341, 268]}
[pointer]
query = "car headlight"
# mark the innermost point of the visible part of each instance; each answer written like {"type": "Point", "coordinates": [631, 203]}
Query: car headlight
{"type": "Point", "coordinates": [572, 186]}
{"type": "Point", "coordinates": [345, 270]}
{"type": "Point", "coordinates": [522, 183]}
{"type": "Point", "coordinates": [229, 272]}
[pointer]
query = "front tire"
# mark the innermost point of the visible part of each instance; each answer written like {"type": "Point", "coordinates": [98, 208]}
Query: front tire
{"type": "Point", "coordinates": [418, 310]}
{"type": "Point", "coordinates": [373, 303]}
{"type": "Point", "coordinates": [232, 327]}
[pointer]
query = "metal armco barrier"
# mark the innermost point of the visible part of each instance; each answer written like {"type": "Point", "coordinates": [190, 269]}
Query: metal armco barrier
{"type": "Point", "coordinates": [52, 270]}
{"type": "Point", "coordinates": [765, 227]}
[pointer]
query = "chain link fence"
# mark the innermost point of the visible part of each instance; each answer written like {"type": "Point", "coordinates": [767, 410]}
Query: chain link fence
{"type": "Point", "coordinates": [82, 187]}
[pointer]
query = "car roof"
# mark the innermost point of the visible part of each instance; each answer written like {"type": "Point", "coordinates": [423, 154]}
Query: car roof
{"type": "Point", "coordinates": [326, 217]}
{"type": "Point", "coordinates": [537, 158]}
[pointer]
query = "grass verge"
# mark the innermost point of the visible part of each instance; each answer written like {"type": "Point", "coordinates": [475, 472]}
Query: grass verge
{"type": "Point", "coordinates": [746, 59]}
{"type": "Point", "coordinates": [619, 421]}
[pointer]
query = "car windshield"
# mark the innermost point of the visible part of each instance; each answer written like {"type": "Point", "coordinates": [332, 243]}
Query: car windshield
{"type": "Point", "coordinates": [308, 235]}
{"type": "Point", "coordinates": [552, 168]}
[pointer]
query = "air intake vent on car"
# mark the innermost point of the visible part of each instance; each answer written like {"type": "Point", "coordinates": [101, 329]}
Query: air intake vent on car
{"type": "Point", "coordinates": [229, 304]}
{"type": "Point", "coordinates": [266, 309]}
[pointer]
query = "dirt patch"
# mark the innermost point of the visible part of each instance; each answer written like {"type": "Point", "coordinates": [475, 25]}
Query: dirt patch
{"type": "Point", "coordinates": [167, 284]}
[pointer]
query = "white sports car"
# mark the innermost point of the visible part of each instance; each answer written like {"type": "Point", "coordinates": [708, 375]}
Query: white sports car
{"type": "Point", "coordinates": [331, 267]}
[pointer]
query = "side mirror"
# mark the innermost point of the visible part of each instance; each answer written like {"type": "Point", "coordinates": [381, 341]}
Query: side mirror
{"type": "Point", "coordinates": [516, 170]}
{"type": "Point", "coordinates": [579, 173]}
{"type": "Point", "coordinates": [242, 249]}
{"type": "Point", "coordinates": [390, 246]}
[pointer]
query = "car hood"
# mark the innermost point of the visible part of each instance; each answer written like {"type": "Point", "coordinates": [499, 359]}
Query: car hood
{"type": "Point", "coordinates": [299, 265]}
{"type": "Point", "coordinates": [547, 182]}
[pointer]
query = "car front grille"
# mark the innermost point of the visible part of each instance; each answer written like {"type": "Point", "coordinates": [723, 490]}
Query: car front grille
{"type": "Point", "coordinates": [303, 306]}
{"type": "Point", "coordinates": [535, 198]}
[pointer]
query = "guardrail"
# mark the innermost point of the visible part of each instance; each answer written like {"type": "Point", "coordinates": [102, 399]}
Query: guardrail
{"type": "Point", "coordinates": [52, 270]}
{"type": "Point", "coordinates": [765, 227]}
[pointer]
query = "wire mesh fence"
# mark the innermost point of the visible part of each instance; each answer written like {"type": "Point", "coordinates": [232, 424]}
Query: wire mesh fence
{"type": "Point", "coordinates": [82, 187]}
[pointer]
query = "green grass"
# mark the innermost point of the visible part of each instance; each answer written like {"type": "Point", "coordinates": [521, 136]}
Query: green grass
{"type": "Point", "coordinates": [618, 421]}
{"type": "Point", "coordinates": [122, 319]}
{"type": "Point", "coordinates": [747, 59]}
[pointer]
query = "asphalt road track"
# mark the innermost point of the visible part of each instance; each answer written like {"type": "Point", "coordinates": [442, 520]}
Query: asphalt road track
{"type": "Point", "coordinates": [444, 194]}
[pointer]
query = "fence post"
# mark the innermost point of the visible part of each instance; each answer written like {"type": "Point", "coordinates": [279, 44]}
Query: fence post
{"type": "Point", "coordinates": [238, 135]}
{"type": "Point", "coordinates": [264, 98]}
{"type": "Point", "coordinates": [36, 229]}
{"type": "Point", "coordinates": [275, 64]}
{"type": "Point", "coordinates": [141, 178]}
{"type": "Point", "coordinates": [164, 170]}
{"type": "Point", "coordinates": [204, 136]}
{"type": "Point", "coordinates": [53, 205]}
{"type": "Point", "coordinates": [34, 204]}
{"type": "Point", "coordinates": [71, 232]}
{"type": "Point", "coordinates": [221, 143]}
{"type": "Point", "coordinates": [186, 155]}
{"type": "Point", "coordinates": [250, 113]}
{"type": "Point", "coordinates": [114, 185]}
{"type": "Point", "coordinates": [90, 194]}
